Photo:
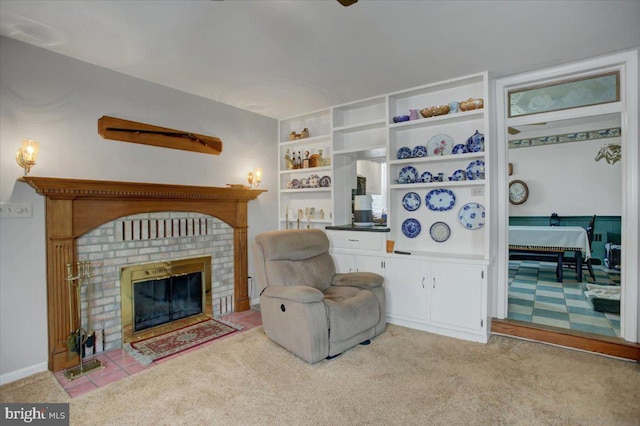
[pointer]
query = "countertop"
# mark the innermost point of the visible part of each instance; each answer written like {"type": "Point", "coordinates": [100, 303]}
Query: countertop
{"type": "Point", "coordinates": [375, 228]}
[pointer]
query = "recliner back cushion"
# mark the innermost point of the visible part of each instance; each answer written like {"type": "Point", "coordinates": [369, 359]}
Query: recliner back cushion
{"type": "Point", "coordinates": [297, 257]}
{"type": "Point", "coordinates": [315, 272]}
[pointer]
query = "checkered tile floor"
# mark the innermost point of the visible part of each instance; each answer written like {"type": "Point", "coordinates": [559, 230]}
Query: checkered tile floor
{"type": "Point", "coordinates": [536, 297]}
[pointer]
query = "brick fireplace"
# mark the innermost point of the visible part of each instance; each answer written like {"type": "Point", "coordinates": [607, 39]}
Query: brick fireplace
{"type": "Point", "coordinates": [78, 207]}
{"type": "Point", "coordinates": [147, 239]}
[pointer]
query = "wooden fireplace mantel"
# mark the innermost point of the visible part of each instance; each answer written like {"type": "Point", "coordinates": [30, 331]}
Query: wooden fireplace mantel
{"type": "Point", "coordinates": [74, 207]}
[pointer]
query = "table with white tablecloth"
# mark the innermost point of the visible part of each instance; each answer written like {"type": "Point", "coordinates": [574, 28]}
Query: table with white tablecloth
{"type": "Point", "coordinates": [551, 241]}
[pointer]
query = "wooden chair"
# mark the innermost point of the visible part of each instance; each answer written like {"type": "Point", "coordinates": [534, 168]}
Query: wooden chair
{"type": "Point", "coordinates": [587, 264]}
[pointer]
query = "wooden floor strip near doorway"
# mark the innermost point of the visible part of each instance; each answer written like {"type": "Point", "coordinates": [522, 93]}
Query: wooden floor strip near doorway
{"type": "Point", "coordinates": [569, 338]}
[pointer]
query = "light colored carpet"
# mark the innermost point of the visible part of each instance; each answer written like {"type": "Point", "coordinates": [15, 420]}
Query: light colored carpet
{"type": "Point", "coordinates": [405, 377]}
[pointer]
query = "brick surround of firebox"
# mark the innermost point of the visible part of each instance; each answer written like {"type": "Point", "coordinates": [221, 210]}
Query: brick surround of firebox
{"type": "Point", "coordinates": [147, 238]}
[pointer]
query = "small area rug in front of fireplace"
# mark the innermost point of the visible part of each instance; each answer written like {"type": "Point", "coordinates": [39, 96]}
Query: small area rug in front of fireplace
{"type": "Point", "coordinates": [158, 347]}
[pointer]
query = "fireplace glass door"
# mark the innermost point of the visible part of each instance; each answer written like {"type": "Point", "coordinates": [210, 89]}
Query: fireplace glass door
{"type": "Point", "coordinates": [161, 301]}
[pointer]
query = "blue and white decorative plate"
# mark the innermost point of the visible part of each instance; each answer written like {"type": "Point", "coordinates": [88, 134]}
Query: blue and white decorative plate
{"type": "Point", "coordinates": [458, 175]}
{"type": "Point", "coordinates": [475, 142]}
{"type": "Point", "coordinates": [404, 153]}
{"type": "Point", "coordinates": [419, 151]}
{"type": "Point", "coordinates": [472, 216]}
{"type": "Point", "coordinates": [295, 183]}
{"type": "Point", "coordinates": [408, 174]}
{"type": "Point", "coordinates": [439, 145]}
{"type": "Point", "coordinates": [325, 182]}
{"type": "Point", "coordinates": [440, 199]}
{"type": "Point", "coordinates": [459, 149]}
{"type": "Point", "coordinates": [411, 201]}
{"type": "Point", "coordinates": [475, 170]}
{"type": "Point", "coordinates": [426, 177]}
{"type": "Point", "coordinates": [440, 232]}
{"type": "Point", "coordinates": [411, 228]}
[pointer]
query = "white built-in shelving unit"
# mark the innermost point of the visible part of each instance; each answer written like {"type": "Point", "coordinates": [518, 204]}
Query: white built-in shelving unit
{"type": "Point", "coordinates": [442, 286]}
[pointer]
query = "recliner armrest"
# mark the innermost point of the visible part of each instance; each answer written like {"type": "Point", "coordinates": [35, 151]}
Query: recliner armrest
{"type": "Point", "coordinates": [295, 293]}
{"type": "Point", "coordinates": [358, 279]}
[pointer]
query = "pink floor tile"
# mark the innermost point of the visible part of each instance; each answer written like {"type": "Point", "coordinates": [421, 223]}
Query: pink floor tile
{"type": "Point", "coordinates": [114, 376]}
{"type": "Point", "coordinates": [135, 368]}
{"type": "Point", "coordinates": [125, 360]}
{"type": "Point", "coordinates": [81, 389]}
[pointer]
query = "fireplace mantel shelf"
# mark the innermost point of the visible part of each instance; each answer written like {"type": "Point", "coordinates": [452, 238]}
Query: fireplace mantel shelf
{"type": "Point", "coordinates": [74, 207]}
{"type": "Point", "coordinates": [69, 189]}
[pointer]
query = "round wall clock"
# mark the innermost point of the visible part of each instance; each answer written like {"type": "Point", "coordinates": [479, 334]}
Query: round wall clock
{"type": "Point", "coordinates": [518, 192]}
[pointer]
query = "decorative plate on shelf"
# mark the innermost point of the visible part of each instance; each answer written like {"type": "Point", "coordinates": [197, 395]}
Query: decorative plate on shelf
{"type": "Point", "coordinates": [440, 232]}
{"type": "Point", "coordinates": [325, 182]}
{"type": "Point", "coordinates": [459, 149]}
{"type": "Point", "coordinates": [411, 201]}
{"type": "Point", "coordinates": [408, 174]}
{"type": "Point", "coordinates": [475, 170]}
{"type": "Point", "coordinates": [475, 142]}
{"type": "Point", "coordinates": [426, 177]}
{"type": "Point", "coordinates": [314, 181]}
{"type": "Point", "coordinates": [440, 145]}
{"type": "Point", "coordinates": [404, 153]}
{"type": "Point", "coordinates": [295, 183]}
{"type": "Point", "coordinates": [304, 183]}
{"type": "Point", "coordinates": [411, 228]}
{"type": "Point", "coordinates": [440, 199]}
{"type": "Point", "coordinates": [419, 151]}
{"type": "Point", "coordinates": [472, 216]}
{"type": "Point", "coordinates": [458, 175]}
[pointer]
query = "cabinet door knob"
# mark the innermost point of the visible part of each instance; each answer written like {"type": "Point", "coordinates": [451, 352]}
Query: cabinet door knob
{"type": "Point", "coordinates": [354, 241]}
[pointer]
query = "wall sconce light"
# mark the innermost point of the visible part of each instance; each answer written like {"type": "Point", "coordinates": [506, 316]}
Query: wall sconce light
{"type": "Point", "coordinates": [27, 154]}
{"type": "Point", "coordinates": [255, 177]}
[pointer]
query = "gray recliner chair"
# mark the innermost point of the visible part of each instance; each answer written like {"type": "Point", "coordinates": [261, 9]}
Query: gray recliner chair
{"type": "Point", "coordinates": [306, 307]}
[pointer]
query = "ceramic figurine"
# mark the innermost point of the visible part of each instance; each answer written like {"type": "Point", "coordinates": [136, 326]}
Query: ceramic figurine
{"type": "Point", "coordinates": [413, 114]}
{"type": "Point", "coordinates": [288, 160]}
{"type": "Point", "coordinates": [305, 162]}
{"type": "Point", "coordinates": [304, 133]}
{"type": "Point", "coordinates": [321, 213]}
{"type": "Point", "coordinates": [292, 136]}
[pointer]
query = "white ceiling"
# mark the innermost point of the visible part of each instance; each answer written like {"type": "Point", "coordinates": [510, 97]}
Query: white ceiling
{"type": "Point", "coordinates": [283, 58]}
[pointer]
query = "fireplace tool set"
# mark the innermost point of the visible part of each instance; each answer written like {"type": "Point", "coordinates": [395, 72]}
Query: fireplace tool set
{"type": "Point", "coordinates": [79, 339]}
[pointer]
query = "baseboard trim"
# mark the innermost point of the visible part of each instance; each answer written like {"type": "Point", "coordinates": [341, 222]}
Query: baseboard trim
{"type": "Point", "coordinates": [12, 376]}
{"type": "Point", "coordinates": [605, 345]}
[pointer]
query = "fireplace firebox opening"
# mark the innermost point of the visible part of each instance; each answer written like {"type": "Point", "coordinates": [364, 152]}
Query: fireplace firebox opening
{"type": "Point", "coordinates": [160, 297]}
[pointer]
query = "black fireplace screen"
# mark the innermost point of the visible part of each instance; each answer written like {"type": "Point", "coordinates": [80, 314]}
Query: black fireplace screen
{"type": "Point", "coordinates": [161, 301]}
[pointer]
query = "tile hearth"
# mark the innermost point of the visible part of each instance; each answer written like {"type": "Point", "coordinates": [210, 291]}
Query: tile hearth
{"type": "Point", "coordinates": [118, 364]}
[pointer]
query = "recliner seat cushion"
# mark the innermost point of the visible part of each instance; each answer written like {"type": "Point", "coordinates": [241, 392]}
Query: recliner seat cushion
{"type": "Point", "coordinates": [350, 311]}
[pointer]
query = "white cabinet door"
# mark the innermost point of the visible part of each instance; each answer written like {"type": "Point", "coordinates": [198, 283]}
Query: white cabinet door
{"type": "Point", "coordinates": [405, 284]}
{"type": "Point", "coordinates": [456, 295]}
{"type": "Point", "coordinates": [345, 263]}
{"type": "Point", "coordinates": [370, 264]}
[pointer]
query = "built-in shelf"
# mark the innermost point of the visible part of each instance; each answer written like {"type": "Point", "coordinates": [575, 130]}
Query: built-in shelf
{"type": "Point", "coordinates": [307, 170]}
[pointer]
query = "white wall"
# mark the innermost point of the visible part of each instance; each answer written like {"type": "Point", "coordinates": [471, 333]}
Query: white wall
{"type": "Point", "coordinates": [57, 101]}
{"type": "Point", "coordinates": [565, 179]}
